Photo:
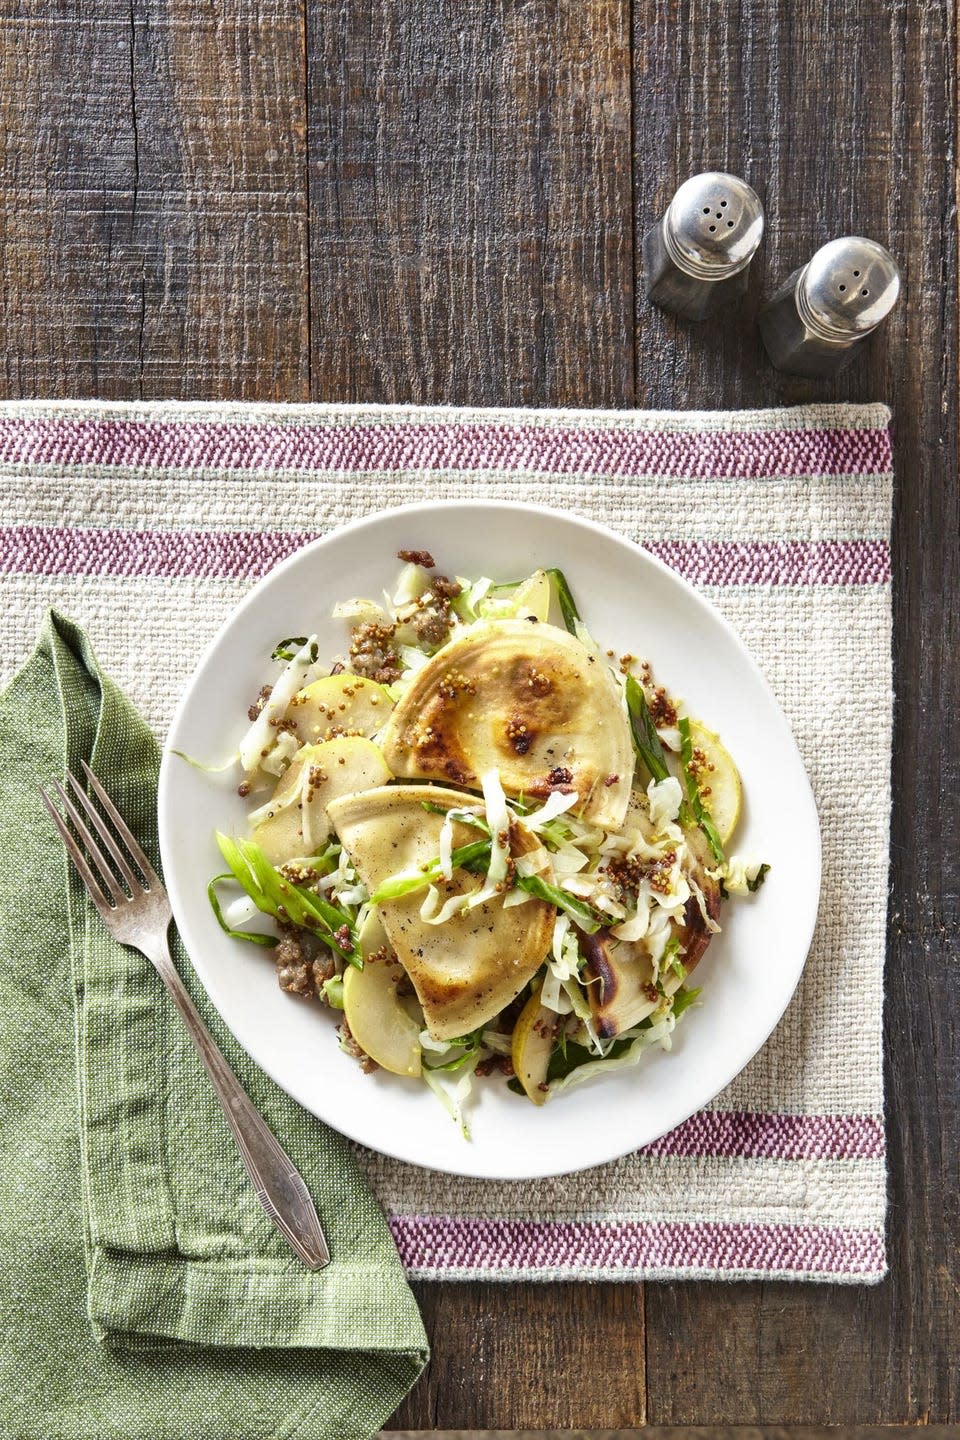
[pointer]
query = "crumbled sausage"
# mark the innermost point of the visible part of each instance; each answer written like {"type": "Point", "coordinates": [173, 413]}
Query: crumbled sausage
{"type": "Point", "coordinates": [417, 557]}
{"type": "Point", "coordinates": [431, 621]}
{"type": "Point", "coordinates": [432, 626]}
{"type": "Point", "coordinates": [444, 588]}
{"type": "Point", "coordinates": [303, 962]}
{"type": "Point", "coordinates": [373, 653]}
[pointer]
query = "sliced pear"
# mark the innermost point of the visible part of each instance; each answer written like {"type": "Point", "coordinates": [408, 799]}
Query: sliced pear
{"type": "Point", "coordinates": [337, 704]}
{"type": "Point", "coordinates": [719, 780]}
{"type": "Point", "coordinates": [377, 1018]}
{"type": "Point", "coordinates": [526, 699]}
{"type": "Point", "coordinates": [532, 1044]}
{"type": "Point", "coordinates": [531, 597]}
{"type": "Point", "coordinates": [467, 969]}
{"type": "Point", "coordinates": [338, 767]}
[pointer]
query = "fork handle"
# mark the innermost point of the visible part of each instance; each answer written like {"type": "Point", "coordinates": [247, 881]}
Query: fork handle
{"type": "Point", "coordinates": [279, 1186]}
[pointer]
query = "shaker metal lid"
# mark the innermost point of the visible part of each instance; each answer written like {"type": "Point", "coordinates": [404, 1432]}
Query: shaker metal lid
{"type": "Point", "coordinates": [713, 225]}
{"type": "Point", "coordinates": [847, 288]}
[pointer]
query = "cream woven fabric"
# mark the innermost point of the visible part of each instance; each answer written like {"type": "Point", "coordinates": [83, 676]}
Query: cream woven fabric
{"type": "Point", "coordinates": [148, 523]}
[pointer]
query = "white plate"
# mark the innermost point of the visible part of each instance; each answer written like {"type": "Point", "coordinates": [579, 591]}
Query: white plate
{"type": "Point", "coordinates": [631, 602]}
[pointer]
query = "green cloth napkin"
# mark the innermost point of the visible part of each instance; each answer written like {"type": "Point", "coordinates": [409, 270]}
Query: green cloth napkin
{"type": "Point", "coordinates": [143, 1292]}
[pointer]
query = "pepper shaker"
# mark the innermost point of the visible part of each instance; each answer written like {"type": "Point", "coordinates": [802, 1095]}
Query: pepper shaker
{"type": "Point", "coordinates": [814, 323]}
{"type": "Point", "coordinates": [697, 257]}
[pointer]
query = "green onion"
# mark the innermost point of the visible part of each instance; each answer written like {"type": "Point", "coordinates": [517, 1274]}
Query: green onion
{"type": "Point", "coordinates": [286, 649]}
{"type": "Point", "coordinates": [468, 1044]}
{"type": "Point", "coordinates": [214, 899]}
{"type": "Point", "coordinates": [407, 883]}
{"type": "Point", "coordinates": [754, 885]}
{"type": "Point", "coordinates": [568, 608]}
{"type": "Point", "coordinates": [646, 741]}
{"type": "Point", "coordinates": [700, 812]}
{"type": "Point", "coordinates": [578, 910]}
{"type": "Point", "coordinates": [333, 992]}
{"type": "Point", "coordinates": [466, 818]}
{"type": "Point", "coordinates": [671, 957]}
{"type": "Point", "coordinates": [476, 858]}
{"type": "Point", "coordinates": [276, 896]}
{"type": "Point", "coordinates": [683, 1000]}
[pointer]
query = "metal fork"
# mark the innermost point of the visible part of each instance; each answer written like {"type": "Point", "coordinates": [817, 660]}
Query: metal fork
{"type": "Point", "coordinates": [140, 917]}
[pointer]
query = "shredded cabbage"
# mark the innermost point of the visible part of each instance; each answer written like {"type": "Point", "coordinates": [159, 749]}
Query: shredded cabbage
{"type": "Point", "coordinates": [666, 797]}
{"type": "Point", "coordinates": [555, 804]}
{"type": "Point", "coordinates": [498, 819]}
{"type": "Point", "coordinates": [262, 734]}
{"type": "Point", "coordinates": [657, 1034]}
{"type": "Point", "coordinates": [454, 1098]}
{"type": "Point", "coordinates": [636, 925]}
{"type": "Point", "coordinates": [737, 874]}
{"type": "Point", "coordinates": [361, 611]}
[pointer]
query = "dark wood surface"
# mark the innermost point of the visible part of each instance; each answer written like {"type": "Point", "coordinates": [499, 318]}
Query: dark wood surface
{"type": "Point", "coordinates": [442, 200]}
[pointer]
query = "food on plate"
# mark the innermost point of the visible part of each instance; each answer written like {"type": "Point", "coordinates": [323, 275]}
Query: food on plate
{"type": "Point", "coordinates": [295, 820]}
{"type": "Point", "coordinates": [494, 847]}
{"type": "Point", "coordinates": [382, 1026]}
{"type": "Point", "coordinates": [468, 968]}
{"type": "Point", "coordinates": [527, 700]}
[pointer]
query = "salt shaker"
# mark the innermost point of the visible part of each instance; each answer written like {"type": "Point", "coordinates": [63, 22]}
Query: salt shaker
{"type": "Point", "coordinates": [697, 257]}
{"type": "Point", "coordinates": [814, 323]}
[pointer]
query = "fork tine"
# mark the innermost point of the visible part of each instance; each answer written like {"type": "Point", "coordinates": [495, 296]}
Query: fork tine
{"type": "Point", "coordinates": [123, 830]}
{"type": "Point", "coordinates": [102, 832]}
{"type": "Point", "coordinates": [107, 881]}
{"type": "Point", "coordinates": [77, 856]}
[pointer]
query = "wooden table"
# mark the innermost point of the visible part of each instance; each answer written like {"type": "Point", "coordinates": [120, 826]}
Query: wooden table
{"type": "Point", "coordinates": [443, 200]}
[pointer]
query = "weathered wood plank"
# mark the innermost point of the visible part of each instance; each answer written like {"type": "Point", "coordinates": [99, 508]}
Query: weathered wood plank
{"type": "Point", "coordinates": [842, 115]}
{"type": "Point", "coordinates": [470, 229]}
{"type": "Point", "coordinates": [152, 163]}
{"type": "Point", "coordinates": [529, 1355]}
{"type": "Point", "coordinates": [470, 239]}
{"type": "Point", "coordinates": [690, 1432]}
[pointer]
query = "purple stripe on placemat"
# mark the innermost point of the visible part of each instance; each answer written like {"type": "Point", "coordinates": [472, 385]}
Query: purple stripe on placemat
{"type": "Point", "coordinates": [439, 1243]}
{"type": "Point", "coordinates": [249, 554]}
{"type": "Point", "coordinates": [734, 1134]}
{"type": "Point", "coordinates": [430, 446]}
{"type": "Point", "coordinates": [777, 562]}
{"type": "Point", "coordinates": [194, 554]}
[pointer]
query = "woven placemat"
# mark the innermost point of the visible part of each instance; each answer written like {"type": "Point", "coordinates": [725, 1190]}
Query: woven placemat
{"type": "Point", "coordinates": [148, 523]}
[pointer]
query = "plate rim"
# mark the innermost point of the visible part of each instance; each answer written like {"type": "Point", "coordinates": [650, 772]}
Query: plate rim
{"type": "Point", "coordinates": [636, 552]}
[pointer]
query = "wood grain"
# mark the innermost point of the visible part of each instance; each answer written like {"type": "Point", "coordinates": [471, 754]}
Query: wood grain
{"type": "Point", "coordinates": [429, 201]}
{"type": "Point", "coordinates": [470, 231]}
{"type": "Point", "coordinates": [152, 164]}
{"type": "Point", "coordinates": [691, 1432]}
{"type": "Point", "coordinates": [527, 1356]}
